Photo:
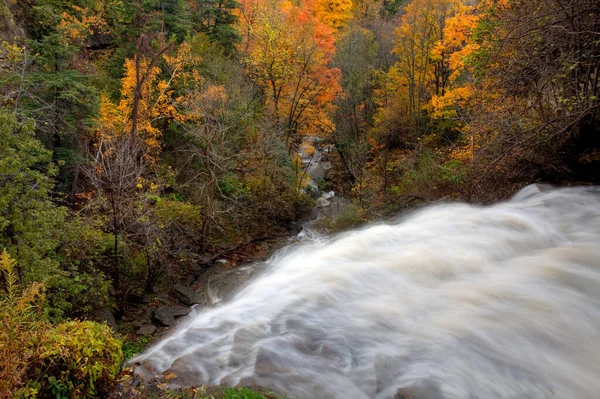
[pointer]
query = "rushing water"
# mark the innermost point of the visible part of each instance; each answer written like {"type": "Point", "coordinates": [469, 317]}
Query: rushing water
{"type": "Point", "coordinates": [452, 301]}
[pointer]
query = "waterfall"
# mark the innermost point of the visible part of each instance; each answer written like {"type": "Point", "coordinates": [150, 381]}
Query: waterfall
{"type": "Point", "coordinates": [452, 301]}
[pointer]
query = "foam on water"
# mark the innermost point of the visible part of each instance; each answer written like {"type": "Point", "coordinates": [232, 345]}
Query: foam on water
{"type": "Point", "coordinates": [453, 301]}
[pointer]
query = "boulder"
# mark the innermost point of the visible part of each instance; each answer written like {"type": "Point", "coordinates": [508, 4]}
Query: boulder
{"type": "Point", "coordinates": [332, 207]}
{"type": "Point", "coordinates": [108, 317]}
{"type": "Point", "coordinates": [186, 295]}
{"type": "Point", "coordinates": [146, 330]}
{"type": "Point", "coordinates": [166, 315]}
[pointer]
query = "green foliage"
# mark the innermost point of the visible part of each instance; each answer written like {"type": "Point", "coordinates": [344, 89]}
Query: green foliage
{"type": "Point", "coordinates": [186, 215]}
{"type": "Point", "coordinates": [241, 393]}
{"type": "Point", "coordinates": [77, 360]}
{"type": "Point", "coordinates": [133, 347]}
{"type": "Point", "coordinates": [30, 224]}
{"type": "Point", "coordinates": [82, 288]}
{"type": "Point", "coordinates": [431, 176]}
{"type": "Point", "coordinates": [70, 360]}
{"type": "Point", "coordinates": [220, 393]}
{"type": "Point", "coordinates": [232, 186]}
{"type": "Point", "coordinates": [216, 18]}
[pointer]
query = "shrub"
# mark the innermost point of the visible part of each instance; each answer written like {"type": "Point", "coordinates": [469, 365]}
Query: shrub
{"type": "Point", "coordinates": [20, 316]}
{"type": "Point", "coordinates": [74, 359]}
{"type": "Point", "coordinates": [80, 357]}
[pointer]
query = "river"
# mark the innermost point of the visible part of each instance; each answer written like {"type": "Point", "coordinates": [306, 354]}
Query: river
{"type": "Point", "coordinates": [452, 301]}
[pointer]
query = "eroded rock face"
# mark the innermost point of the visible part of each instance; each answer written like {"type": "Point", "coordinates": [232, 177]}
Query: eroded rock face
{"type": "Point", "coordinates": [166, 315]}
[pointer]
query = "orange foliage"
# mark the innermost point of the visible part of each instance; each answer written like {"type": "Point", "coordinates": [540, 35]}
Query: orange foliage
{"type": "Point", "coordinates": [288, 51]}
{"type": "Point", "coordinates": [432, 43]}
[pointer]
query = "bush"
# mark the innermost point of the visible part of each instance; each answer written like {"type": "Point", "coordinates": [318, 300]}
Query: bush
{"type": "Point", "coordinates": [79, 358]}
{"type": "Point", "coordinates": [20, 316]}
{"type": "Point", "coordinates": [70, 360]}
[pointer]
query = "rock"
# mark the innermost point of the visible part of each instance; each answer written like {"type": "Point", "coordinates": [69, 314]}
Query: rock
{"type": "Point", "coordinates": [146, 330]}
{"type": "Point", "coordinates": [269, 362]}
{"type": "Point", "coordinates": [186, 294]}
{"type": "Point", "coordinates": [317, 171]}
{"type": "Point", "coordinates": [243, 341]}
{"type": "Point", "coordinates": [335, 208]}
{"type": "Point", "coordinates": [166, 315]}
{"type": "Point", "coordinates": [108, 317]}
{"type": "Point", "coordinates": [424, 389]}
{"type": "Point", "coordinates": [138, 324]}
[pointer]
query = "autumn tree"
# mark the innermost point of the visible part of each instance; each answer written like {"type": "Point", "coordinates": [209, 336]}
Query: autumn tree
{"type": "Point", "coordinates": [288, 52]}
{"type": "Point", "coordinates": [333, 13]}
{"type": "Point", "coordinates": [422, 70]}
{"type": "Point", "coordinates": [539, 62]}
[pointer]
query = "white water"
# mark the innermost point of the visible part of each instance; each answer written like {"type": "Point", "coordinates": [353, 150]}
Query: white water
{"type": "Point", "coordinates": [453, 301]}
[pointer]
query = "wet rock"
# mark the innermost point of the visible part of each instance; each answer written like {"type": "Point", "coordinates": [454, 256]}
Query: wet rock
{"type": "Point", "coordinates": [108, 317]}
{"type": "Point", "coordinates": [146, 330]}
{"type": "Point", "coordinates": [293, 228]}
{"type": "Point", "coordinates": [424, 389]}
{"type": "Point", "coordinates": [268, 362]}
{"type": "Point", "coordinates": [243, 341]}
{"type": "Point", "coordinates": [186, 294]}
{"type": "Point", "coordinates": [166, 315]}
{"type": "Point", "coordinates": [188, 370]}
{"type": "Point", "coordinates": [317, 171]}
{"type": "Point", "coordinates": [387, 369]}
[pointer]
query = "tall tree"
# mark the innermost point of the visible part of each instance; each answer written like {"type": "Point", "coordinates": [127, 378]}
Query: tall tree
{"type": "Point", "coordinates": [288, 52]}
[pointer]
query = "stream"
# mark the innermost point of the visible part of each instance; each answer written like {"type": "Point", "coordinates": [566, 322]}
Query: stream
{"type": "Point", "coordinates": [452, 301]}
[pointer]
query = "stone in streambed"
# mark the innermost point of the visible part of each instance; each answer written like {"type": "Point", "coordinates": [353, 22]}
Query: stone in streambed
{"type": "Point", "coordinates": [424, 389]}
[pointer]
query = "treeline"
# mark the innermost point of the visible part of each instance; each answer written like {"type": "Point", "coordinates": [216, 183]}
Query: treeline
{"type": "Point", "coordinates": [135, 145]}
{"type": "Point", "coordinates": [467, 99]}
{"type": "Point", "coordinates": [140, 138]}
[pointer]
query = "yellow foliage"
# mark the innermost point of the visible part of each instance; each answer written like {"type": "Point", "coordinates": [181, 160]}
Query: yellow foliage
{"type": "Point", "coordinates": [446, 106]}
{"type": "Point", "coordinates": [141, 86]}
{"type": "Point", "coordinates": [82, 356]}
{"type": "Point", "coordinates": [334, 13]}
{"type": "Point", "coordinates": [288, 51]}
{"type": "Point", "coordinates": [21, 331]}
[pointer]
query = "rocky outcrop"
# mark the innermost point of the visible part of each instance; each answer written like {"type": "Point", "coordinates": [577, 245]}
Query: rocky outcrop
{"type": "Point", "coordinates": [166, 315]}
{"type": "Point", "coordinates": [328, 205]}
{"type": "Point", "coordinates": [186, 295]}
